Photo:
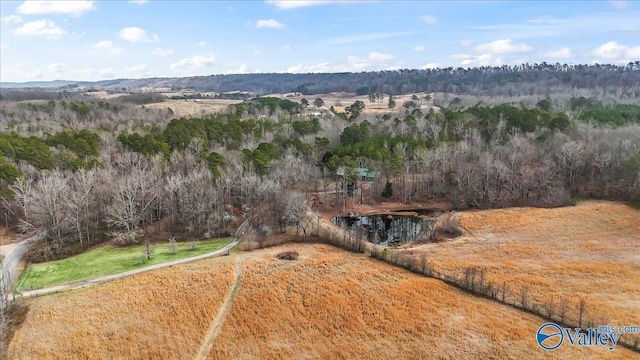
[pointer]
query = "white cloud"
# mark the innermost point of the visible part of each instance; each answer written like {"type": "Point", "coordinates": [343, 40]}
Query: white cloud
{"type": "Point", "coordinates": [504, 46]}
{"type": "Point", "coordinates": [137, 68]}
{"type": "Point", "coordinates": [11, 19]}
{"type": "Point", "coordinates": [42, 27]}
{"type": "Point", "coordinates": [107, 45]}
{"type": "Point", "coordinates": [367, 37]}
{"type": "Point", "coordinates": [75, 8]}
{"type": "Point", "coordinates": [546, 26]}
{"type": "Point", "coordinates": [615, 52]}
{"type": "Point", "coordinates": [135, 34]}
{"type": "Point", "coordinates": [91, 74]}
{"type": "Point", "coordinates": [241, 70]}
{"type": "Point", "coordinates": [373, 61]}
{"type": "Point", "coordinates": [465, 43]}
{"type": "Point", "coordinates": [419, 48]}
{"type": "Point", "coordinates": [18, 73]}
{"type": "Point", "coordinates": [431, 65]}
{"type": "Point", "coordinates": [544, 19]}
{"type": "Point", "coordinates": [376, 56]}
{"type": "Point", "coordinates": [115, 51]}
{"type": "Point", "coordinates": [460, 56]}
{"type": "Point", "coordinates": [317, 68]}
{"type": "Point", "coordinates": [161, 52]}
{"type": "Point", "coordinates": [429, 19]}
{"type": "Point", "coordinates": [611, 50]}
{"type": "Point", "coordinates": [55, 67]}
{"type": "Point", "coordinates": [357, 64]}
{"type": "Point", "coordinates": [294, 4]}
{"type": "Point", "coordinates": [202, 44]}
{"type": "Point", "coordinates": [620, 5]}
{"type": "Point", "coordinates": [633, 53]}
{"type": "Point", "coordinates": [54, 71]}
{"type": "Point", "coordinates": [138, 2]}
{"type": "Point", "coordinates": [481, 60]}
{"type": "Point", "coordinates": [562, 53]}
{"type": "Point", "coordinates": [104, 44]}
{"type": "Point", "coordinates": [269, 24]}
{"type": "Point", "coordinates": [255, 49]}
{"type": "Point", "coordinates": [193, 63]}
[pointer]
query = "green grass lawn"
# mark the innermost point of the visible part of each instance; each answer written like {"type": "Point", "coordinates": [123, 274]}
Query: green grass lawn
{"type": "Point", "coordinates": [108, 260]}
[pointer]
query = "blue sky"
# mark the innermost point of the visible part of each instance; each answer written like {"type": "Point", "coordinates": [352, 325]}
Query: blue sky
{"type": "Point", "coordinates": [96, 40]}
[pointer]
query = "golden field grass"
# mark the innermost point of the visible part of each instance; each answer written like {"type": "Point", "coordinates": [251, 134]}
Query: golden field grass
{"type": "Point", "coordinates": [334, 304]}
{"type": "Point", "coordinates": [339, 100]}
{"type": "Point", "coordinates": [591, 250]}
{"type": "Point", "coordinates": [162, 314]}
{"type": "Point", "coordinates": [191, 108]}
{"type": "Point", "coordinates": [327, 304]}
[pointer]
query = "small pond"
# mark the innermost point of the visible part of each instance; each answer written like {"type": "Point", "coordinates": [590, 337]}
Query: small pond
{"type": "Point", "coordinates": [387, 229]}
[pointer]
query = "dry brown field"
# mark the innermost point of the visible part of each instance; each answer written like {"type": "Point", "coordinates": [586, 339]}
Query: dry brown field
{"type": "Point", "coordinates": [340, 100]}
{"type": "Point", "coordinates": [189, 108]}
{"type": "Point", "coordinates": [327, 304]}
{"type": "Point", "coordinates": [591, 250]}
{"type": "Point", "coordinates": [163, 314]}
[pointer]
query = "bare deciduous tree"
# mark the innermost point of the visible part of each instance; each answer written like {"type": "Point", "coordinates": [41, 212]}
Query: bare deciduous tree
{"type": "Point", "coordinates": [295, 208]}
{"type": "Point", "coordinates": [563, 306]}
{"type": "Point", "coordinates": [264, 232]}
{"type": "Point", "coordinates": [582, 308]}
{"type": "Point", "coordinates": [524, 297]}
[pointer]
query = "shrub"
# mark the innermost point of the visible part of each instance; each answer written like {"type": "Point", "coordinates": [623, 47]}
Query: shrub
{"type": "Point", "coordinates": [288, 255]}
{"type": "Point", "coordinates": [447, 225]}
{"type": "Point", "coordinates": [388, 190]}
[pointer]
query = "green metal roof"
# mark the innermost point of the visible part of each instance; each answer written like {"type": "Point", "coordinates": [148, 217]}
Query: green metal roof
{"type": "Point", "coordinates": [362, 172]}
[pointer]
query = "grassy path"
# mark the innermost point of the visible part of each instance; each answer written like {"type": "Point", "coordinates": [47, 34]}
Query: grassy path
{"type": "Point", "coordinates": [108, 260]}
{"type": "Point", "coordinates": [217, 323]}
{"type": "Point", "coordinates": [102, 279]}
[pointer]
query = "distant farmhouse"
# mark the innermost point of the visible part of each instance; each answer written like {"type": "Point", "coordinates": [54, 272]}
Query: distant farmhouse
{"type": "Point", "coordinates": [363, 174]}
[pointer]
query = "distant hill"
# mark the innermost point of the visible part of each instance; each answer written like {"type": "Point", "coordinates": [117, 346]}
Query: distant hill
{"type": "Point", "coordinates": [38, 84]}
{"type": "Point", "coordinates": [494, 81]}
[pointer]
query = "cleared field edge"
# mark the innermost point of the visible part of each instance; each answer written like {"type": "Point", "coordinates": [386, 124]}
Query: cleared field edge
{"type": "Point", "coordinates": [420, 262]}
{"type": "Point", "coordinates": [317, 258]}
{"type": "Point", "coordinates": [64, 322]}
{"type": "Point", "coordinates": [99, 280]}
{"type": "Point", "coordinates": [237, 332]}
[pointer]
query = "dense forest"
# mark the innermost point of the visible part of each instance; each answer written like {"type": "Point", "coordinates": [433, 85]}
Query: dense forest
{"type": "Point", "coordinates": [531, 79]}
{"type": "Point", "coordinates": [78, 170]}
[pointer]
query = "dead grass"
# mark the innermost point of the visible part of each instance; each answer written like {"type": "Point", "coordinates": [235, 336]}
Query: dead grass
{"type": "Point", "coordinates": [8, 237]}
{"type": "Point", "coordinates": [162, 314]}
{"type": "Point", "coordinates": [11, 318]}
{"type": "Point", "coordinates": [339, 100]}
{"type": "Point", "coordinates": [327, 304]}
{"type": "Point", "coordinates": [333, 304]}
{"type": "Point", "coordinates": [182, 108]}
{"type": "Point", "coordinates": [589, 250]}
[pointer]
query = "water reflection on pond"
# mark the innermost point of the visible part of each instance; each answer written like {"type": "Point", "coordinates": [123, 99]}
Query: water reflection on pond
{"type": "Point", "coordinates": [387, 229]}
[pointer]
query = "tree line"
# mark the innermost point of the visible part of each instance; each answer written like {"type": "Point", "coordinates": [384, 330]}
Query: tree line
{"type": "Point", "coordinates": [623, 81]}
{"type": "Point", "coordinates": [196, 176]}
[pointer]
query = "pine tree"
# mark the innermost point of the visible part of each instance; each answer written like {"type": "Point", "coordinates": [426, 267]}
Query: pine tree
{"type": "Point", "coordinates": [388, 190]}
